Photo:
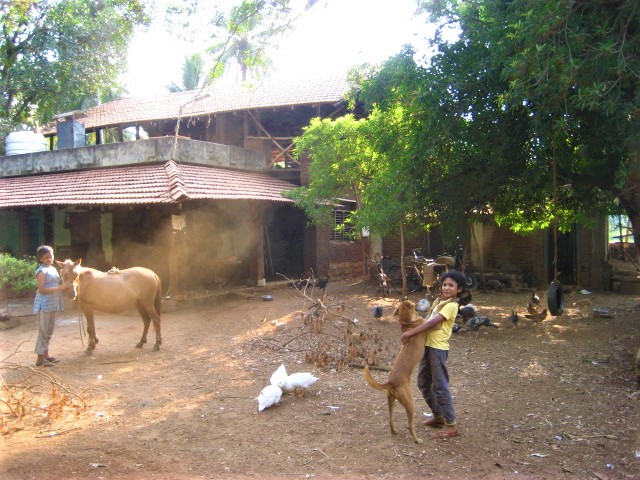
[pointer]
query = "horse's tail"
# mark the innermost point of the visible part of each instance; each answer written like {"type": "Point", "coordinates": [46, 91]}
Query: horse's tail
{"type": "Point", "coordinates": [157, 301]}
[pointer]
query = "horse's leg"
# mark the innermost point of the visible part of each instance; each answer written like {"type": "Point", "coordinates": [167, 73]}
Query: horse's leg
{"type": "Point", "coordinates": [156, 326]}
{"type": "Point", "coordinates": [146, 319]}
{"type": "Point", "coordinates": [91, 330]}
{"type": "Point", "coordinates": [155, 314]}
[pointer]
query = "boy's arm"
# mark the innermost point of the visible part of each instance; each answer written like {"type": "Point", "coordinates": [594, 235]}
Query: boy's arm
{"type": "Point", "coordinates": [428, 325]}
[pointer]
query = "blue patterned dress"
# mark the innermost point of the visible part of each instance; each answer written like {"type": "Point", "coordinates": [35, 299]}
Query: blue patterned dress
{"type": "Point", "coordinates": [50, 302]}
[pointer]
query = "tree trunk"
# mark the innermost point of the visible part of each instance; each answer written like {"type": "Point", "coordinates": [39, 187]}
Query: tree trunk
{"type": "Point", "coordinates": [630, 195]}
{"type": "Point", "coordinates": [402, 265]}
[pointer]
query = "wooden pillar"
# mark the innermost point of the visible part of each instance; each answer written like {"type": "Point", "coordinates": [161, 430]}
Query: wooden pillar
{"type": "Point", "coordinates": [48, 225]}
{"type": "Point", "coordinates": [177, 248]}
{"type": "Point", "coordinates": [95, 251]}
{"type": "Point", "coordinates": [256, 251]}
{"type": "Point", "coordinates": [23, 243]}
{"type": "Point", "coordinates": [260, 281]}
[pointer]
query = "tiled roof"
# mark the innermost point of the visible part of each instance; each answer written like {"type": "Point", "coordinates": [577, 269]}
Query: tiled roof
{"type": "Point", "coordinates": [134, 110]}
{"type": "Point", "coordinates": [139, 184]}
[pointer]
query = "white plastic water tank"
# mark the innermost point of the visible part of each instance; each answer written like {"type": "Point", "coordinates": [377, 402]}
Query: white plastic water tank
{"type": "Point", "coordinates": [25, 142]}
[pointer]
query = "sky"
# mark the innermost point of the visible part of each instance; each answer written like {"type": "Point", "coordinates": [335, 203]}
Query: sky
{"type": "Point", "coordinates": [333, 36]}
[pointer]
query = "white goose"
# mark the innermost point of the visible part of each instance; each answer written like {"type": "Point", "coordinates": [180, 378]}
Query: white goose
{"type": "Point", "coordinates": [279, 374]}
{"type": "Point", "coordinates": [297, 381]}
{"type": "Point", "coordinates": [269, 396]}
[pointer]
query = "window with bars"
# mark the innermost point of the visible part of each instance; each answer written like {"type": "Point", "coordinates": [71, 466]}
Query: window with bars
{"type": "Point", "coordinates": [342, 228]}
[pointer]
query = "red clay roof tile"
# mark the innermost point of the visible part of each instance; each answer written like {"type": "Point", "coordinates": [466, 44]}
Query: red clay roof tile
{"type": "Point", "coordinates": [134, 110]}
{"type": "Point", "coordinates": [150, 183]}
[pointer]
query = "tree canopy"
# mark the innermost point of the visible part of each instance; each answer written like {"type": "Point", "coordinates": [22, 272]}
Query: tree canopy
{"type": "Point", "coordinates": [546, 93]}
{"type": "Point", "coordinates": [530, 114]}
{"type": "Point", "coordinates": [193, 74]}
{"type": "Point", "coordinates": [244, 36]}
{"type": "Point", "coordinates": [54, 54]}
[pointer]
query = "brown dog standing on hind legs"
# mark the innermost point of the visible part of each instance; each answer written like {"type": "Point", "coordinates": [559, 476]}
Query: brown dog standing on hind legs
{"type": "Point", "coordinates": [398, 384]}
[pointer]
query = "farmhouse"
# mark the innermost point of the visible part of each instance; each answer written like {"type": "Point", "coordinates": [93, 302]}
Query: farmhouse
{"type": "Point", "coordinates": [191, 185]}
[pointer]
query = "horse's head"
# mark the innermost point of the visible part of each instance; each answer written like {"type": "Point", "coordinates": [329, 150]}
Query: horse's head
{"type": "Point", "coordinates": [69, 271]}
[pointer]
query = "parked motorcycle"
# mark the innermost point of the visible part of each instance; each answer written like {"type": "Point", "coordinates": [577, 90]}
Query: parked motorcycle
{"type": "Point", "coordinates": [422, 272]}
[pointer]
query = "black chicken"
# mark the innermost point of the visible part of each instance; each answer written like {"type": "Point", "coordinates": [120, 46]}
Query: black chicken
{"type": "Point", "coordinates": [474, 323]}
{"type": "Point", "coordinates": [322, 283]}
{"type": "Point", "coordinates": [467, 312]}
{"type": "Point", "coordinates": [514, 318]}
{"type": "Point", "coordinates": [307, 279]}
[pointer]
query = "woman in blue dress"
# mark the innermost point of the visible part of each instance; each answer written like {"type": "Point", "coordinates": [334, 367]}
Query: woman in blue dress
{"type": "Point", "coordinates": [48, 301]}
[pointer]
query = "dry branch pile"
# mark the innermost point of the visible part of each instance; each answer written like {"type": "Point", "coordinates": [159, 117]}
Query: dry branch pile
{"type": "Point", "coordinates": [35, 398]}
{"type": "Point", "coordinates": [326, 336]}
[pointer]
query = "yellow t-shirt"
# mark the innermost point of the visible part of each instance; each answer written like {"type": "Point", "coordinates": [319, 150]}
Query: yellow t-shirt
{"type": "Point", "coordinates": [439, 336]}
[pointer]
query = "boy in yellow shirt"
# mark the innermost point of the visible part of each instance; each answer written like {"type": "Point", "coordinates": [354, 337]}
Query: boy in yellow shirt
{"type": "Point", "coordinates": [433, 377]}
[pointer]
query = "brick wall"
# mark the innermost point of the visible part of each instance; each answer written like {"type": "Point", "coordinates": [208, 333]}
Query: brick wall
{"type": "Point", "coordinates": [346, 259]}
{"type": "Point", "coordinates": [431, 245]}
{"type": "Point", "coordinates": [304, 170]}
{"type": "Point", "coordinates": [507, 252]}
{"type": "Point", "coordinates": [338, 259]}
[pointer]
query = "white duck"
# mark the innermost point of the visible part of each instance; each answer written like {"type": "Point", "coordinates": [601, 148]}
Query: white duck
{"type": "Point", "coordinates": [269, 396]}
{"type": "Point", "coordinates": [279, 374]}
{"type": "Point", "coordinates": [297, 381]}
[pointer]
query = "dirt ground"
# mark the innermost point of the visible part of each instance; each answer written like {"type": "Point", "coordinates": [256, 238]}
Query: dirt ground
{"type": "Point", "coordinates": [538, 401]}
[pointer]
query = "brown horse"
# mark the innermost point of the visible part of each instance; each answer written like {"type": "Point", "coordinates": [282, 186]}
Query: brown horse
{"type": "Point", "coordinates": [114, 292]}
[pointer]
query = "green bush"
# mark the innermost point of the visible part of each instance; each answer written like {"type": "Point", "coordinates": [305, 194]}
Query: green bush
{"type": "Point", "coordinates": [17, 276]}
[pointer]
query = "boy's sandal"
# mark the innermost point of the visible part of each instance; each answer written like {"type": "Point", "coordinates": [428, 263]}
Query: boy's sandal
{"type": "Point", "coordinates": [445, 435]}
{"type": "Point", "coordinates": [434, 423]}
{"type": "Point", "coordinates": [52, 360]}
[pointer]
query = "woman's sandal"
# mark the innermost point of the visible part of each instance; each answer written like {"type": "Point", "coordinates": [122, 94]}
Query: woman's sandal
{"type": "Point", "coordinates": [52, 360]}
{"type": "Point", "coordinates": [44, 363]}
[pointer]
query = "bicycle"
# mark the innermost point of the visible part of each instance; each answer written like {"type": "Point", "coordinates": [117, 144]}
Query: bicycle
{"type": "Point", "coordinates": [381, 276]}
{"type": "Point", "coordinates": [415, 279]}
{"type": "Point", "coordinates": [425, 272]}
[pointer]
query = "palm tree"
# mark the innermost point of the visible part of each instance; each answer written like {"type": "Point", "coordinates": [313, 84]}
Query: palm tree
{"type": "Point", "coordinates": [192, 74]}
{"type": "Point", "coordinates": [250, 30]}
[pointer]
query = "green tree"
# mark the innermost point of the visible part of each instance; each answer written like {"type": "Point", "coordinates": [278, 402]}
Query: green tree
{"type": "Point", "coordinates": [546, 94]}
{"type": "Point", "coordinates": [346, 160]}
{"type": "Point", "coordinates": [193, 74]}
{"type": "Point", "coordinates": [54, 54]}
{"type": "Point", "coordinates": [342, 163]}
{"type": "Point", "coordinates": [248, 32]}
{"type": "Point", "coordinates": [244, 36]}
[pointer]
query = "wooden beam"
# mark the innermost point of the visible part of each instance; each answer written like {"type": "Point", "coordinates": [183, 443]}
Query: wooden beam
{"type": "Point", "coordinates": [284, 152]}
{"type": "Point", "coordinates": [273, 140]}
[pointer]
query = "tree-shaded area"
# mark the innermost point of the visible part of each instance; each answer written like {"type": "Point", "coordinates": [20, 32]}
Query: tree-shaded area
{"type": "Point", "coordinates": [530, 115]}
{"type": "Point", "coordinates": [56, 54]}
{"type": "Point", "coordinates": [542, 98]}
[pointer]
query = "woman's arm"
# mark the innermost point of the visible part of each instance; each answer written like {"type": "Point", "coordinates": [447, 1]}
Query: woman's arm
{"type": "Point", "coordinates": [428, 325]}
{"type": "Point", "coordinates": [48, 290]}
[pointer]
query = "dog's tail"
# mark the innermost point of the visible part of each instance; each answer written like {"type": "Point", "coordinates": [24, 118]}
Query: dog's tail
{"type": "Point", "coordinates": [372, 381]}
